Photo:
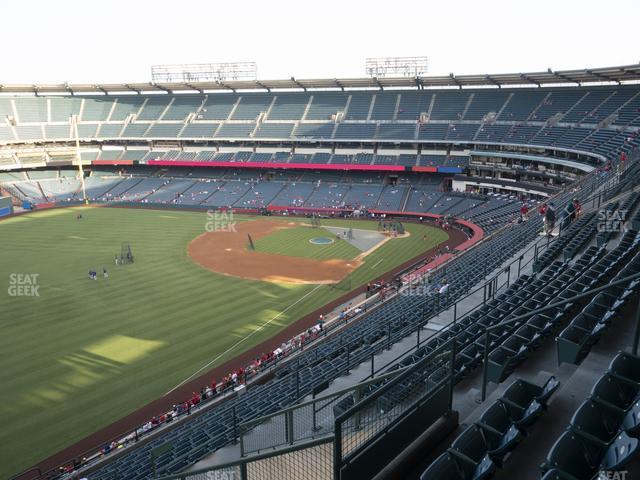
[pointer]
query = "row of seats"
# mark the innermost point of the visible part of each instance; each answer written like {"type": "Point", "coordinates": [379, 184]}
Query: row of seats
{"type": "Point", "coordinates": [586, 328]}
{"type": "Point", "coordinates": [603, 433]}
{"type": "Point", "coordinates": [603, 141]}
{"type": "Point", "coordinates": [609, 211]}
{"type": "Point", "coordinates": [573, 104]}
{"type": "Point", "coordinates": [560, 242]}
{"type": "Point", "coordinates": [484, 446]}
{"type": "Point", "coordinates": [513, 343]}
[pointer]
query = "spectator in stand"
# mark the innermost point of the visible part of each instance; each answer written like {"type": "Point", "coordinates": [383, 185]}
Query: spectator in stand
{"type": "Point", "coordinates": [444, 288]}
{"type": "Point", "coordinates": [549, 219]}
{"type": "Point", "coordinates": [542, 209]}
{"type": "Point", "coordinates": [577, 208]}
{"type": "Point", "coordinates": [569, 213]}
{"type": "Point", "coordinates": [524, 212]}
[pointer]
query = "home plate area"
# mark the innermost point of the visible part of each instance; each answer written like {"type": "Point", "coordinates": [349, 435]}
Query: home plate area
{"type": "Point", "coordinates": [363, 240]}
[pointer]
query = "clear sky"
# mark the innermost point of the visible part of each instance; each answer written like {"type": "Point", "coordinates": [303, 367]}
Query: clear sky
{"type": "Point", "coordinates": [118, 41]}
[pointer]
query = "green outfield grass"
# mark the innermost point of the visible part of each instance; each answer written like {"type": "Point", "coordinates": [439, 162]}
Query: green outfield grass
{"type": "Point", "coordinates": [295, 242]}
{"type": "Point", "coordinates": [85, 353]}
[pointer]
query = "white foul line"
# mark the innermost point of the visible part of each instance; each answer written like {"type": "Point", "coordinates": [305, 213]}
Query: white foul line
{"type": "Point", "coordinates": [240, 341]}
{"type": "Point", "coordinates": [376, 264]}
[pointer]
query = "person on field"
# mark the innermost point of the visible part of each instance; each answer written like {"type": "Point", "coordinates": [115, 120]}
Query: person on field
{"type": "Point", "coordinates": [105, 274]}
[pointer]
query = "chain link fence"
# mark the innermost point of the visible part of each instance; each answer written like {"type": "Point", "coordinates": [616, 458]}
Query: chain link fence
{"type": "Point", "coordinates": [311, 419]}
{"type": "Point", "coordinates": [313, 463]}
{"type": "Point", "coordinates": [309, 461]}
{"type": "Point", "coordinates": [371, 416]}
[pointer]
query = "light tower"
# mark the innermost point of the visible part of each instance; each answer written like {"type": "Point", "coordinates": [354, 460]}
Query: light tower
{"type": "Point", "coordinates": [74, 126]}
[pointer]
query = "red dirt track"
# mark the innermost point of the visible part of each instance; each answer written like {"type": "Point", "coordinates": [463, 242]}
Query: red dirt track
{"type": "Point", "coordinates": [131, 421]}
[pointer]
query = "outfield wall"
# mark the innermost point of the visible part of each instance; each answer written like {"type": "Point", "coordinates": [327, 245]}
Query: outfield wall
{"type": "Point", "coordinates": [6, 206]}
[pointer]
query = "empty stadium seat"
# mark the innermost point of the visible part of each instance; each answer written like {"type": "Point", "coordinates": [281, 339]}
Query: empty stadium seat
{"type": "Point", "coordinates": [596, 423]}
{"type": "Point", "coordinates": [501, 435]}
{"type": "Point", "coordinates": [626, 367]}
{"type": "Point", "coordinates": [614, 393]}
{"type": "Point", "coordinates": [450, 467]}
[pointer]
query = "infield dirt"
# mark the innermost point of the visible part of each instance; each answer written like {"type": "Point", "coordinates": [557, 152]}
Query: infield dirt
{"type": "Point", "coordinates": [226, 252]}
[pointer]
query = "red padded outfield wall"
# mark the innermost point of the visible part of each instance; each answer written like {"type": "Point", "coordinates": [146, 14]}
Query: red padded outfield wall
{"type": "Point", "coordinates": [283, 165]}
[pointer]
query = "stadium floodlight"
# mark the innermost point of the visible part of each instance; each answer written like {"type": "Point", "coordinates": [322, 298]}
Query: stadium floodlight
{"type": "Point", "coordinates": [397, 66]}
{"type": "Point", "coordinates": [204, 72]}
{"type": "Point", "coordinates": [73, 119]}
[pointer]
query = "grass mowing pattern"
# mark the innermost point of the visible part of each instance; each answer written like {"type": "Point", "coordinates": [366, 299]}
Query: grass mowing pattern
{"type": "Point", "coordinates": [85, 353]}
{"type": "Point", "coordinates": [295, 242]}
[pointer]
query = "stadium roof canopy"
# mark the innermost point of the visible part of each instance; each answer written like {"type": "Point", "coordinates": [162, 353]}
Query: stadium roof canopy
{"type": "Point", "coordinates": [607, 75]}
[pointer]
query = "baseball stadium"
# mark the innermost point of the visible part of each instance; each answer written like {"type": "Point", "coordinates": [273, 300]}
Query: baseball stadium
{"type": "Point", "coordinates": [212, 275]}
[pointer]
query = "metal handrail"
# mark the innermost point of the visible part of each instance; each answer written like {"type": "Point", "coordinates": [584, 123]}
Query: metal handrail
{"type": "Point", "coordinates": [440, 351]}
{"type": "Point", "coordinates": [264, 418]}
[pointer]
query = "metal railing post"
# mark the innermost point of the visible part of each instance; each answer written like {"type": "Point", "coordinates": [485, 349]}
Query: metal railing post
{"type": "Point", "coordinates": [315, 421]}
{"type": "Point", "coordinates": [636, 338]}
{"type": "Point", "coordinates": [372, 367]}
{"type": "Point", "coordinates": [289, 425]}
{"type": "Point", "coordinates": [235, 423]}
{"type": "Point", "coordinates": [356, 398]}
{"type": "Point", "coordinates": [337, 450]}
{"type": "Point", "coordinates": [485, 365]}
{"type": "Point", "coordinates": [453, 371]}
{"type": "Point", "coordinates": [519, 265]}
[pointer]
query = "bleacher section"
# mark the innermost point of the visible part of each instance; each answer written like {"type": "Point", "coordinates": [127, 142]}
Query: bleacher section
{"type": "Point", "coordinates": [519, 116]}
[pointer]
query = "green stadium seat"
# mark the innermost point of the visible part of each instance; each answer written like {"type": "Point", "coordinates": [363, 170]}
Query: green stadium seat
{"type": "Point", "coordinates": [449, 467]}
{"type": "Point", "coordinates": [501, 435]}
{"type": "Point", "coordinates": [626, 367]}
{"type": "Point", "coordinates": [555, 474]}
{"type": "Point", "coordinates": [596, 423]}
{"type": "Point", "coordinates": [522, 392]}
{"type": "Point", "coordinates": [614, 393]}
{"type": "Point", "coordinates": [523, 416]}
{"type": "Point", "coordinates": [472, 444]}
{"type": "Point", "coordinates": [574, 456]}
{"type": "Point", "coordinates": [472, 470]}
{"type": "Point", "coordinates": [631, 420]}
